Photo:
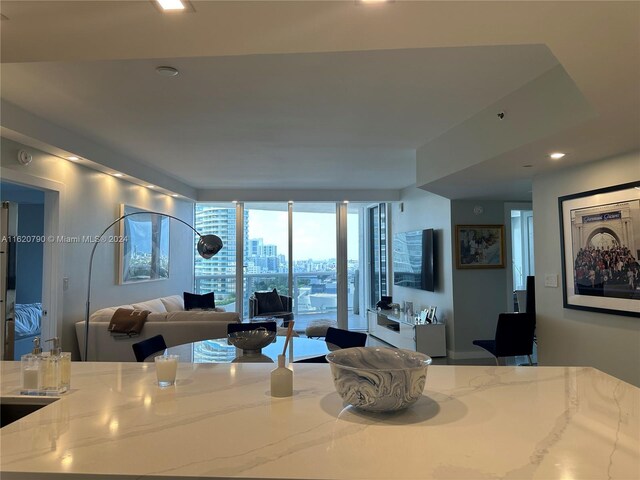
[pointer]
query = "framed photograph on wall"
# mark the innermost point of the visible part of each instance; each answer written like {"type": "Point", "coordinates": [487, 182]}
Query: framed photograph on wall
{"type": "Point", "coordinates": [479, 246]}
{"type": "Point", "coordinates": [600, 237]}
{"type": "Point", "coordinates": [144, 246]}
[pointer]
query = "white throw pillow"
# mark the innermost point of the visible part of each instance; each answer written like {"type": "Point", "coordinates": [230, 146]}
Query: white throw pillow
{"type": "Point", "coordinates": [154, 306]}
{"type": "Point", "coordinates": [174, 303]}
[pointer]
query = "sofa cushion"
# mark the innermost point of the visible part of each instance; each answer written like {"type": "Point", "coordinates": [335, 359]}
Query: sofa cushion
{"type": "Point", "coordinates": [174, 303]}
{"type": "Point", "coordinates": [269, 302]}
{"type": "Point", "coordinates": [194, 301]}
{"type": "Point", "coordinates": [155, 306]}
{"type": "Point", "coordinates": [105, 314]}
{"type": "Point", "coordinates": [198, 316]}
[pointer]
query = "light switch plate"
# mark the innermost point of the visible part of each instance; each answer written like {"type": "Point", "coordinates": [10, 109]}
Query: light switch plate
{"type": "Point", "coordinates": [551, 280]}
{"type": "Point", "coordinates": [65, 283]}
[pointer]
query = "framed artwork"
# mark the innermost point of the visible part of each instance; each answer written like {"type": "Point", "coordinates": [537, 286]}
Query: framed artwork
{"type": "Point", "coordinates": [600, 246]}
{"type": "Point", "coordinates": [431, 315]}
{"type": "Point", "coordinates": [479, 246]}
{"type": "Point", "coordinates": [144, 246]}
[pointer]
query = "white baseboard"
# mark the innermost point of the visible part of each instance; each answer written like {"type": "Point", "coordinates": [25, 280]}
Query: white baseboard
{"type": "Point", "coordinates": [468, 354]}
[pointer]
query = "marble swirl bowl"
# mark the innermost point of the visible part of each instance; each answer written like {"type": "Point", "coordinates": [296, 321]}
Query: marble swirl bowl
{"type": "Point", "coordinates": [251, 341]}
{"type": "Point", "coordinates": [379, 379]}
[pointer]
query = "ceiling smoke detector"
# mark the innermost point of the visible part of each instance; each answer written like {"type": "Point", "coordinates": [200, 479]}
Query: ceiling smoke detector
{"type": "Point", "coordinates": [24, 157]}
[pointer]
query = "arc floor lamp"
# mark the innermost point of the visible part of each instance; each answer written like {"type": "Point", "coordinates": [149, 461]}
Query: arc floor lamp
{"type": "Point", "coordinates": [208, 246]}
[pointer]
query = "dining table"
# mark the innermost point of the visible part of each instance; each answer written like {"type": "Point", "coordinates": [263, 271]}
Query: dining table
{"type": "Point", "coordinates": [219, 350]}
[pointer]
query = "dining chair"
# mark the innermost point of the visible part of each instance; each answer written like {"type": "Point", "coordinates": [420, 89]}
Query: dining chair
{"type": "Point", "coordinates": [514, 336]}
{"type": "Point", "coordinates": [336, 339]}
{"type": "Point", "coordinates": [144, 349]}
{"type": "Point", "coordinates": [344, 338]}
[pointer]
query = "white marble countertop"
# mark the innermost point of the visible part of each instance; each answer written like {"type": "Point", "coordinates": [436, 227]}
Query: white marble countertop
{"type": "Point", "coordinates": [220, 422]}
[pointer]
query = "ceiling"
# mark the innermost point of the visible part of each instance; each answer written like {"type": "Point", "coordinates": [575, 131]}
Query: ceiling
{"type": "Point", "coordinates": [318, 95]}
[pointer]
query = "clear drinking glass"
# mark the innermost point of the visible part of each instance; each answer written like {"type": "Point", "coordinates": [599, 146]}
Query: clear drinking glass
{"type": "Point", "coordinates": [166, 368]}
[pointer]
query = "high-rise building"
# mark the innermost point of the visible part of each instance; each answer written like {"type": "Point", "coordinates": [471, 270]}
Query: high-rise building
{"type": "Point", "coordinates": [218, 273]}
{"type": "Point", "coordinates": [269, 250]}
{"type": "Point", "coordinates": [255, 247]}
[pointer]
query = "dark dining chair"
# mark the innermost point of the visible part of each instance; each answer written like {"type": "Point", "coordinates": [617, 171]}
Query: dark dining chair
{"type": "Point", "coordinates": [144, 349]}
{"type": "Point", "coordinates": [341, 339]}
{"type": "Point", "coordinates": [514, 336]}
{"type": "Point", "coordinates": [344, 338]}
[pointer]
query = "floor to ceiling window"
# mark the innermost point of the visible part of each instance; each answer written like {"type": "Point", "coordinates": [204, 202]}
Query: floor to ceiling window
{"type": "Point", "coordinates": [312, 227]}
{"type": "Point", "coordinates": [522, 258]}
{"type": "Point", "coordinates": [314, 262]}
{"type": "Point", "coordinates": [266, 261]}
{"type": "Point", "coordinates": [218, 273]}
{"type": "Point", "coordinates": [356, 304]}
{"type": "Point", "coordinates": [377, 252]}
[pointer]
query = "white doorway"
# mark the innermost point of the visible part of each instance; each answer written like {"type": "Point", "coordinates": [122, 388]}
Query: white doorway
{"type": "Point", "coordinates": [52, 251]}
{"type": "Point", "coordinates": [520, 249]}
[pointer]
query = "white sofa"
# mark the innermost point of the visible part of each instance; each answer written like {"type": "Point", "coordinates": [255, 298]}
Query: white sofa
{"type": "Point", "coordinates": [168, 318]}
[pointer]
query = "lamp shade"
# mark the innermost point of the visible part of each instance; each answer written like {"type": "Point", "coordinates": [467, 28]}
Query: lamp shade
{"type": "Point", "coordinates": [209, 245]}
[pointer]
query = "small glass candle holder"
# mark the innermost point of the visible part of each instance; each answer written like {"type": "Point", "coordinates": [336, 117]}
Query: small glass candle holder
{"type": "Point", "coordinates": [166, 369]}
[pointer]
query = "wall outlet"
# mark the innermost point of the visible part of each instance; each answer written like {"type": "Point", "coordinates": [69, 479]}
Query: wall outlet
{"type": "Point", "coordinates": [551, 280]}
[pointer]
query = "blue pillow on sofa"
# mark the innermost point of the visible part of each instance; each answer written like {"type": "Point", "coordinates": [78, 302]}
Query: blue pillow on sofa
{"type": "Point", "coordinates": [204, 302]}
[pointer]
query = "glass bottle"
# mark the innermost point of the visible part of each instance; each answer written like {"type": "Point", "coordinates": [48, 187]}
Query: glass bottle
{"type": "Point", "coordinates": [31, 370]}
{"type": "Point", "coordinates": [281, 380]}
{"type": "Point", "coordinates": [51, 368]}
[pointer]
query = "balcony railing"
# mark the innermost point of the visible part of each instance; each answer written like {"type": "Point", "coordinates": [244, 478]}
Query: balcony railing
{"type": "Point", "coordinates": [310, 300]}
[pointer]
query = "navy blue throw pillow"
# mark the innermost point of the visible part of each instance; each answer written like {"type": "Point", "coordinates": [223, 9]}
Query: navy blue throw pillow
{"type": "Point", "coordinates": [204, 302]}
{"type": "Point", "coordinates": [269, 302]}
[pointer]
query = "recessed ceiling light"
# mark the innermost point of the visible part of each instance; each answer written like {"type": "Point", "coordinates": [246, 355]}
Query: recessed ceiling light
{"type": "Point", "coordinates": [557, 155]}
{"type": "Point", "coordinates": [175, 195]}
{"type": "Point", "coordinates": [167, 71]}
{"type": "Point", "coordinates": [73, 158]}
{"type": "Point", "coordinates": [374, 1]}
{"type": "Point", "coordinates": [171, 4]}
{"type": "Point", "coordinates": [117, 174]}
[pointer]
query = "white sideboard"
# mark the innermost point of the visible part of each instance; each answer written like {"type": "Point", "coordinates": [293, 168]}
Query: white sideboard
{"type": "Point", "coordinates": [402, 332]}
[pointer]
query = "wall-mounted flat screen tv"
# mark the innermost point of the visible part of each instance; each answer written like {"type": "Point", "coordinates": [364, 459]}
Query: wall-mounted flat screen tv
{"type": "Point", "coordinates": [413, 259]}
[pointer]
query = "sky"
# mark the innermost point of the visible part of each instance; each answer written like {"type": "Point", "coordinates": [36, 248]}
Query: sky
{"type": "Point", "coordinates": [314, 234]}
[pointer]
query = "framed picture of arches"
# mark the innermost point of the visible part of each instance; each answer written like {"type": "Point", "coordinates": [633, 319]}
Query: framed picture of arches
{"type": "Point", "coordinates": [600, 246]}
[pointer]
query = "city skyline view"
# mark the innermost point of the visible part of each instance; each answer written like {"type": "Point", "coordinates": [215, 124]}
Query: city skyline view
{"type": "Point", "coordinates": [270, 226]}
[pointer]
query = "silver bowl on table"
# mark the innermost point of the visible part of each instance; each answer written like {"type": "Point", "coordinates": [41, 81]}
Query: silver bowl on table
{"type": "Point", "coordinates": [251, 341]}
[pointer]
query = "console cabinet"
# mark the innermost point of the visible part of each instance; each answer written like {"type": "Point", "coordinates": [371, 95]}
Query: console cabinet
{"type": "Point", "coordinates": [402, 332]}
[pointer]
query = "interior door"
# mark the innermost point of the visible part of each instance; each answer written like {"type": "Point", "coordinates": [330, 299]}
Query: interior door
{"type": "Point", "coordinates": [8, 228]}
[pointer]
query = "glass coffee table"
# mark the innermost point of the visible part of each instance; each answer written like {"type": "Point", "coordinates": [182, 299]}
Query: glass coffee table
{"type": "Point", "coordinates": [218, 350]}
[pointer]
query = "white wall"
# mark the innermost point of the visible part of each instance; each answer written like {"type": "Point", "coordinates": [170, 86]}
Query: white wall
{"type": "Point", "coordinates": [610, 343]}
{"type": "Point", "coordinates": [90, 202]}
{"type": "Point", "coordinates": [426, 210]}
{"type": "Point", "coordinates": [478, 294]}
